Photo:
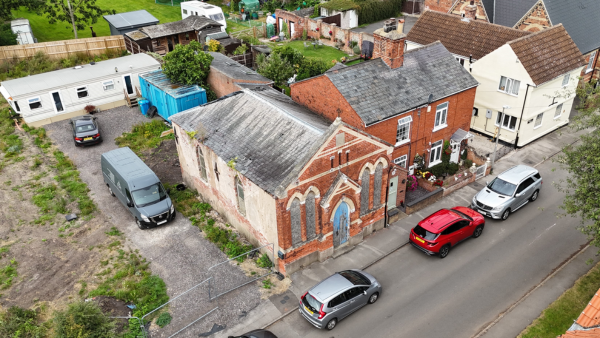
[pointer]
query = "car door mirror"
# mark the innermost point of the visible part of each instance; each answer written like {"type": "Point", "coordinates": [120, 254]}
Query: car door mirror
{"type": "Point", "coordinates": [365, 293]}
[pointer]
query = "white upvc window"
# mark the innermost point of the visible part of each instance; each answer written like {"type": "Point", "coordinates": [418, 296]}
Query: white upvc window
{"type": "Point", "coordinates": [538, 120]}
{"type": "Point", "coordinates": [590, 64]}
{"type": "Point", "coordinates": [441, 115]}
{"type": "Point", "coordinates": [566, 80]}
{"type": "Point", "coordinates": [509, 86]}
{"type": "Point", "coordinates": [35, 103]}
{"type": "Point", "coordinates": [82, 92]}
{"type": "Point", "coordinates": [508, 123]}
{"type": "Point", "coordinates": [558, 111]}
{"type": "Point", "coordinates": [435, 155]}
{"type": "Point", "coordinates": [401, 161]}
{"type": "Point", "coordinates": [403, 132]}
{"type": "Point", "coordinates": [108, 85]}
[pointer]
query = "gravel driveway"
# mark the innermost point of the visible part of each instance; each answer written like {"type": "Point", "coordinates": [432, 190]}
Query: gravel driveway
{"type": "Point", "coordinates": [178, 252]}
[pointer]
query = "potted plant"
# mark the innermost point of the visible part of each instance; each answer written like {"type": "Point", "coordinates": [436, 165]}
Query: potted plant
{"type": "Point", "coordinates": [90, 109]}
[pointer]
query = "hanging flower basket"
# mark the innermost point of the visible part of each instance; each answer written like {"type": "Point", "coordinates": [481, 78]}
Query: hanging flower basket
{"type": "Point", "coordinates": [330, 33]}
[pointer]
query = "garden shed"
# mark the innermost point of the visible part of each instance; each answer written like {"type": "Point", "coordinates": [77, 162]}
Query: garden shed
{"type": "Point", "coordinates": [170, 98]}
{"type": "Point", "coordinates": [122, 23]}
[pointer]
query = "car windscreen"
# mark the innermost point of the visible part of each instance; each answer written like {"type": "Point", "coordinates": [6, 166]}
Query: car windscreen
{"type": "Point", "coordinates": [430, 236]}
{"type": "Point", "coordinates": [82, 128]}
{"type": "Point", "coordinates": [355, 277]}
{"type": "Point", "coordinates": [149, 195]}
{"type": "Point", "coordinates": [502, 187]}
{"type": "Point", "coordinates": [216, 17]}
{"type": "Point", "coordinates": [311, 303]}
{"type": "Point", "coordinates": [461, 215]}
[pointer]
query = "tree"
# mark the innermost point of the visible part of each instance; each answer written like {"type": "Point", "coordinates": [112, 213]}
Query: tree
{"type": "Point", "coordinates": [80, 13]}
{"type": "Point", "coordinates": [7, 6]}
{"type": "Point", "coordinates": [7, 37]}
{"type": "Point", "coordinates": [188, 64]}
{"type": "Point", "coordinates": [582, 161]}
{"type": "Point", "coordinates": [277, 69]}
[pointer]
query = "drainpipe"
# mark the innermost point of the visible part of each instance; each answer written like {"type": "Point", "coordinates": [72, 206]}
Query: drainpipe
{"type": "Point", "coordinates": [594, 66]}
{"type": "Point", "coordinates": [521, 119]}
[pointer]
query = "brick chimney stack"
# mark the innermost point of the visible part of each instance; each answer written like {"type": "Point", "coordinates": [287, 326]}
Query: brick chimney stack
{"type": "Point", "coordinates": [389, 44]}
{"type": "Point", "coordinates": [471, 11]}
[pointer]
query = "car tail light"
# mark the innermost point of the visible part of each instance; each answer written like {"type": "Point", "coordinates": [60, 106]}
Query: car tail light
{"type": "Point", "coordinates": [321, 313]}
{"type": "Point", "coordinates": [96, 136]}
{"type": "Point", "coordinates": [431, 244]}
{"type": "Point", "coordinates": [304, 295]}
{"type": "Point", "coordinates": [78, 139]}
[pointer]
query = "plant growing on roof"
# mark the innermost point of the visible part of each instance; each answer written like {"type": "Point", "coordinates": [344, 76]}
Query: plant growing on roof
{"type": "Point", "coordinates": [187, 64]}
{"type": "Point", "coordinates": [232, 162]}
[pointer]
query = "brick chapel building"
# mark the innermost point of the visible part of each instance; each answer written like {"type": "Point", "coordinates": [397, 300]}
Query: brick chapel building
{"type": "Point", "coordinates": [413, 99]}
{"type": "Point", "coordinates": [282, 174]}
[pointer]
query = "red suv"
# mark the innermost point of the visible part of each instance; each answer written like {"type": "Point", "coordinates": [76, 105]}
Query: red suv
{"type": "Point", "coordinates": [444, 229]}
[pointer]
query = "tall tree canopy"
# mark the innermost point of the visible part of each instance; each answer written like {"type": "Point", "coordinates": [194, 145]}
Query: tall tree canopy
{"type": "Point", "coordinates": [582, 161]}
{"type": "Point", "coordinates": [7, 6]}
{"type": "Point", "coordinates": [7, 37]}
{"type": "Point", "coordinates": [187, 64]}
{"type": "Point", "coordinates": [82, 12]}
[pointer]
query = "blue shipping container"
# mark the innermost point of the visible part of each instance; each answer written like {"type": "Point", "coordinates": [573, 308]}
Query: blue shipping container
{"type": "Point", "coordinates": [170, 98]}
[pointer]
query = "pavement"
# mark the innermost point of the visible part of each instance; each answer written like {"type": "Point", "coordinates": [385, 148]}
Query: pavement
{"type": "Point", "coordinates": [178, 252]}
{"type": "Point", "coordinates": [493, 286]}
{"type": "Point", "coordinates": [409, 22]}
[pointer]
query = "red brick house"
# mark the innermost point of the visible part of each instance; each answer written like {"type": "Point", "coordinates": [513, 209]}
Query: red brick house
{"type": "Point", "coordinates": [281, 174]}
{"type": "Point", "coordinates": [227, 76]}
{"type": "Point", "coordinates": [414, 100]}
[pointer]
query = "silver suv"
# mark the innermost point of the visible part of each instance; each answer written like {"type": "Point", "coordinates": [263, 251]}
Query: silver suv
{"type": "Point", "coordinates": [338, 296]}
{"type": "Point", "coordinates": [508, 192]}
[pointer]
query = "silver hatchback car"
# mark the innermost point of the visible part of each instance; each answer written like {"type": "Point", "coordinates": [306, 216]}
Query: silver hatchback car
{"type": "Point", "coordinates": [508, 192]}
{"type": "Point", "coordinates": [338, 296]}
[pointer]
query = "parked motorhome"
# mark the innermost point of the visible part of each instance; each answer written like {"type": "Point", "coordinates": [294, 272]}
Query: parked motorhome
{"type": "Point", "coordinates": [48, 97]}
{"type": "Point", "coordinates": [137, 187]}
{"type": "Point", "coordinates": [200, 8]}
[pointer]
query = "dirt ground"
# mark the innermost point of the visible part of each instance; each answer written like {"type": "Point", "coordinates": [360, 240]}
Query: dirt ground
{"type": "Point", "coordinates": [164, 161]}
{"type": "Point", "coordinates": [54, 260]}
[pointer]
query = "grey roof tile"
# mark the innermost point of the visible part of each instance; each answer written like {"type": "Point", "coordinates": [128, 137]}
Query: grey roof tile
{"type": "Point", "coordinates": [235, 70]}
{"type": "Point", "coordinates": [509, 12]}
{"type": "Point", "coordinates": [581, 20]}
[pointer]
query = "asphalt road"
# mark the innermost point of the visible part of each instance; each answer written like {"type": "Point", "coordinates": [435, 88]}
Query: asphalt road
{"type": "Point", "coordinates": [457, 296]}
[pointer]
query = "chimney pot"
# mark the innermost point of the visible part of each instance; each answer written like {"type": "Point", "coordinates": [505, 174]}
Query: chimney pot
{"type": "Point", "coordinates": [471, 11]}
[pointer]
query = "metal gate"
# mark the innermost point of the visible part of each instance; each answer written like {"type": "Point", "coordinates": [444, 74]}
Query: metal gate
{"type": "Point", "coordinates": [481, 171]}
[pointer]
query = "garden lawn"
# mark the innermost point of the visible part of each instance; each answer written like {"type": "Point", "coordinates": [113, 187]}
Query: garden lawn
{"type": "Point", "coordinates": [323, 52]}
{"type": "Point", "coordinates": [559, 316]}
{"type": "Point", "coordinates": [44, 31]}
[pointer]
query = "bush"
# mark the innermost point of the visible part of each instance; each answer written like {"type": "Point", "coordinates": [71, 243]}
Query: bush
{"type": "Point", "coordinates": [264, 261]}
{"type": "Point", "coordinates": [164, 319]}
{"type": "Point", "coordinates": [452, 168]}
{"type": "Point", "coordinates": [83, 319]}
{"type": "Point", "coordinates": [21, 323]}
{"type": "Point", "coordinates": [145, 135]}
{"type": "Point", "coordinates": [439, 170]}
{"type": "Point", "coordinates": [240, 50]}
{"type": "Point", "coordinates": [310, 67]}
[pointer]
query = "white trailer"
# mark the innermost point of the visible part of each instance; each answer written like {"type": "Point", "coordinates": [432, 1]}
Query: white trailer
{"type": "Point", "coordinates": [200, 8]}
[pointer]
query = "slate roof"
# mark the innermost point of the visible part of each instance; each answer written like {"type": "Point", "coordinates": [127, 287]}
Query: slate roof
{"type": "Point", "coordinates": [272, 136]}
{"type": "Point", "coordinates": [547, 54]}
{"type": "Point", "coordinates": [489, 9]}
{"type": "Point", "coordinates": [191, 23]}
{"type": "Point", "coordinates": [337, 66]}
{"type": "Point", "coordinates": [376, 92]}
{"type": "Point", "coordinates": [509, 12]}
{"type": "Point", "coordinates": [234, 70]}
{"type": "Point", "coordinates": [465, 38]}
{"type": "Point", "coordinates": [304, 12]}
{"type": "Point", "coordinates": [581, 19]}
{"type": "Point", "coordinates": [131, 19]}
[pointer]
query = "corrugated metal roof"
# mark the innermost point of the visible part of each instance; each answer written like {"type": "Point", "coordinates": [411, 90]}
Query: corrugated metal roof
{"type": "Point", "coordinates": [591, 314]}
{"type": "Point", "coordinates": [160, 80]}
{"type": "Point", "coordinates": [131, 19]}
{"type": "Point", "coordinates": [87, 73]}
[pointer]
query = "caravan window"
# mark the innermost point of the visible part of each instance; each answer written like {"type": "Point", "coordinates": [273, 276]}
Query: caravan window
{"type": "Point", "coordinates": [108, 85]}
{"type": "Point", "coordinates": [185, 11]}
{"type": "Point", "coordinates": [82, 92]}
{"type": "Point", "coordinates": [216, 17]}
{"type": "Point", "coordinates": [17, 108]}
{"type": "Point", "coordinates": [35, 103]}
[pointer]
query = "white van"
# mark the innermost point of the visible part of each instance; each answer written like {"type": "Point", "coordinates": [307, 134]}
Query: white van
{"type": "Point", "coordinates": [203, 9]}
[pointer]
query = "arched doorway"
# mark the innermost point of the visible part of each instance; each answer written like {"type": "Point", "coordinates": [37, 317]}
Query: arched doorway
{"type": "Point", "coordinates": [341, 225]}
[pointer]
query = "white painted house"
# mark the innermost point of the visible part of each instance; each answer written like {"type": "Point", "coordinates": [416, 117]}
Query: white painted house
{"type": "Point", "coordinates": [45, 98]}
{"type": "Point", "coordinates": [535, 74]}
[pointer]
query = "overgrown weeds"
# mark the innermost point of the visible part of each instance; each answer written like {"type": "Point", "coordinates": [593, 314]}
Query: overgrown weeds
{"type": "Point", "coordinates": [145, 135]}
{"type": "Point", "coordinates": [22, 323]}
{"type": "Point", "coordinates": [7, 274]}
{"type": "Point", "coordinates": [83, 319]}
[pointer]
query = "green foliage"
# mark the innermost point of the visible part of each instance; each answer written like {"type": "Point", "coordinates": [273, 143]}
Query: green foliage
{"type": "Point", "coordinates": [227, 241]}
{"type": "Point", "coordinates": [143, 136]}
{"type": "Point", "coordinates": [21, 323]}
{"type": "Point", "coordinates": [312, 67]}
{"type": "Point", "coordinates": [242, 49]}
{"type": "Point", "coordinates": [7, 274]}
{"type": "Point", "coordinates": [439, 169]}
{"type": "Point", "coordinates": [284, 28]}
{"type": "Point", "coordinates": [185, 201]}
{"type": "Point", "coordinates": [267, 284]}
{"type": "Point", "coordinates": [85, 13]}
{"type": "Point", "coordinates": [83, 319]}
{"type": "Point", "coordinates": [264, 261]}
{"type": "Point", "coordinates": [7, 37]}
{"type": "Point", "coordinates": [7, 6]}
{"type": "Point", "coordinates": [304, 34]}
{"type": "Point", "coordinates": [164, 319]}
{"type": "Point", "coordinates": [289, 54]}
{"type": "Point", "coordinates": [341, 5]}
{"type": "Point", "coordinates": [188, 64]}
{"type": "Point", "coordinates": [374, 10]}
{"type": "Point", "coordinates": [467, 163]}
{"type": "Point", "coordinates": [114, 232]}
{"type": "Point", "coordinates": [316, 12]}
{"type": "Point", "coordinates": [231, 163]}
{"type": "Point", "coordinates": [276, 69]}
{"type": "Point", "coordinates": [215, 46]}
{"type": "Point", "coordinates": [452, 168]}
{"type": "Point", "coordinates": [69, 180]}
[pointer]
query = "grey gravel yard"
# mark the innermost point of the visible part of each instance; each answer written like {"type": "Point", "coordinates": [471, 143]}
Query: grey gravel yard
{"type": "Point", "coordinates": [178, 253]}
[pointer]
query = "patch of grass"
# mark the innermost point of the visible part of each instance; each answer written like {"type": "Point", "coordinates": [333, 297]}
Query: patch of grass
{"type": "Point", "coordinates": [164, 319]}
{"type": "Point", "coordinates": [68, 179]}
{"type": "Point", "coordinates": [50, 203]}
{"type": "Point", "coordinates": [114, 244]}
{"type": "Point", "coordinates": [559, 316]}
{"type": "Point", "coordinates": [145, 135]}
{"type": "Point", "coordinates": [7, 274]}
{"type": "Point", "coordinates": [267, 284]}
{"type": "Point", "coordinates": [185, 201]}
{"type": "Point", "coordinates": [7, 183]}
{"type": "Point", "coordinates": [264, 261]}
{"type": "Point", "coordinates": [114, 232]}
{"type": "Point", "coordinates": [83, 289]}
{"type": "Point", "coordinates": [227, 241]}
{"type": "Point", "coordinates": [10, 143]}
{"type": "Point", "coordinates": [324, 52]}
{"type": "Point", "coordinates": [22, 323]}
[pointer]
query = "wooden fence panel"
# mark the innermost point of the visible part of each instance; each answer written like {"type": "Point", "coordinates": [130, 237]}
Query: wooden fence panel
{"type": "Point", "coordinates": [65, 48]}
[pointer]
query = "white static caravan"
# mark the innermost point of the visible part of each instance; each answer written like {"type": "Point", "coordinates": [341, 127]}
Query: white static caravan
{"type": "Point", "coordinates": [22, 28]}
{"type": "Point", "coordinates": [45, 98]}
{"type": "Point", "coordinates": [200, 8]}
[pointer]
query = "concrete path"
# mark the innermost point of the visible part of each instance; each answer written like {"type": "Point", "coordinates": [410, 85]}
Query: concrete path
{"type": "Point", "coordinates": [409, 22]}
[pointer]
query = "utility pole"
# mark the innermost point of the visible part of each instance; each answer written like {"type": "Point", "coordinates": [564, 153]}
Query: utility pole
{"type": "Point", "coordinates": [72, 19]}
{"type": "Point", "coordinates": [498, 136]}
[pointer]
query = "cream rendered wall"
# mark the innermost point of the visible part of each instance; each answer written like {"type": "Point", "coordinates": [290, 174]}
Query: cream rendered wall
{"type": "Point", "coordinates": [259, 225]}
{"type": "Point", "coordinates": [488, 71]}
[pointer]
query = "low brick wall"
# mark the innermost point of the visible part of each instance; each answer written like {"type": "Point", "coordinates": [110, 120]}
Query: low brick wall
{"type": "Point", "coordinates": [461, 182]}
{"type": "Point", "coordinates": [425, 184]}
{"type": "Point", "coordinates": [424, 201]}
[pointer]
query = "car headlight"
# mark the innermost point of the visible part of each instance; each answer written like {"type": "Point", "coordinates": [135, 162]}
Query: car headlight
{"type": "Point", "coordinates": [172, 208]}
{"type": "Point", "coordinates": [498, 208]}
{"type": "Point", "coordinates": [145, 219]}
{"type": "Point", "coordinates": [475, 200]}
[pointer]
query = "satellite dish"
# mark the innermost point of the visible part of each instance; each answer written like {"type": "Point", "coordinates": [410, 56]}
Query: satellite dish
{"type": "Point", "coordinates": [430, 99]}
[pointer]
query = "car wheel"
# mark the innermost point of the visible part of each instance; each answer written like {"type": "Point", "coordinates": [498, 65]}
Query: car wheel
{"type": "Point", "coordinates": [139, 224]}
{"type": "Point", "coordinates": [505, 214]}
{"type": "Point", "coordinates": [110, 191]}
{"type": "Point", "coordinates": [534, 196]}
{"type": "Point", "coordinates": [477, 231]}
{"type": "Point", "coordinates": [374, 297]}
{"type": "Point", "coordinates": [331, 324]}
{"type": "Point", "coordinates": [76, 144]}
{"type": "Point", "coordinates": [444, 251]}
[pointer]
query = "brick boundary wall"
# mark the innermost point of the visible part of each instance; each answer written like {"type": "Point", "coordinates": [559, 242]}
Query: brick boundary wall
{"type": "Point", "coordinates": [434, 197]}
